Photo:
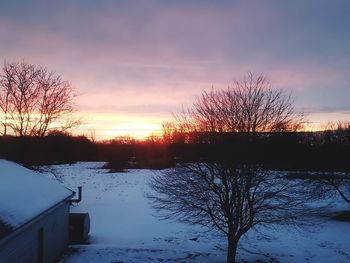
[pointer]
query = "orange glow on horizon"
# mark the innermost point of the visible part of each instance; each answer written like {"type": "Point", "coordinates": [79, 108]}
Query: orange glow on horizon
{"type": "Point", "coordinates": [106, 126]}
{"type": "Point", "coordinates": [109, 125]}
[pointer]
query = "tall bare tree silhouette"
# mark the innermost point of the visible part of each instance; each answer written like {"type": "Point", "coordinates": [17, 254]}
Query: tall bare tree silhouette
{"type": "Point", "coordinates": [220, 192]}
{"type": "Point", "coordinates": [34, 100]}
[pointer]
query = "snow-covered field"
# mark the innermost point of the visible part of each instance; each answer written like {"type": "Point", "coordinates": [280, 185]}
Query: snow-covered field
{"type": "Point", "coordinates": [125, 229]}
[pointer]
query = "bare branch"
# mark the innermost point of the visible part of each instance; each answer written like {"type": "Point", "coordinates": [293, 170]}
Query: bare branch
{"type": "Point", "coordinates": [34, 100]}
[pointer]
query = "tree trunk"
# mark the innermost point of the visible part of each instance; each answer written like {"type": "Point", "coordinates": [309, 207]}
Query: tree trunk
{"type": "Point", "coordinates": [5, 127]}
{"type": "Point", "coordinates": [231, 249]}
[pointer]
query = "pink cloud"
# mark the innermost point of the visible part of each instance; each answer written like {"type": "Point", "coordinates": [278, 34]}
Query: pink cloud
{"type": "Point", "coordinates": [135, 58]}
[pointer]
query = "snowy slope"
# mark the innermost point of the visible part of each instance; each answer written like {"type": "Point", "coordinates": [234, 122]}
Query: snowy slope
{"type": "Point", "coordinates": [25, 194]}
{"type": "Point", "coordinates": [125, 229]}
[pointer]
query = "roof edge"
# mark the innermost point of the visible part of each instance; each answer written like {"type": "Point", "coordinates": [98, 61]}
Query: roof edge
{"type": "Point", "coordinates": [35, 219]}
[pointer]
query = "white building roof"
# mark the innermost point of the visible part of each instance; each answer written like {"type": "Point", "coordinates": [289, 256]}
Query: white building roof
{"type": "Point", "coordinates": [24, 194]}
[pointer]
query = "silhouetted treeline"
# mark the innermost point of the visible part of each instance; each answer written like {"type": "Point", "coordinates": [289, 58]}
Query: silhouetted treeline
{"type": "Point", "coordinates": [60, 147]}
{"type": "Point", "coordinates": [150, 154]}
{"type": "Point", "coordinates": [280, 151]}
{"type": "Point", "coordinates": [54, 148]}
{"type": "Point", "coordinates": [328, 150]}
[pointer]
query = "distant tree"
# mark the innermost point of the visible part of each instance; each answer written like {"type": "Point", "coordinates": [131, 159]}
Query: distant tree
{"type": "Point", "coordinates": [249, 106]}
{"type": "Point", "coordinates": [168, 132]}
{"type": "Point", "coordinates": [21, 91]}
{"type": "Point", "coordinates": [343, 130]}
{"type": "Point", "coordinates": [56, 100]}
{"type": "Point", "coordinates": [6, 84]}
{"type": "Point", "coordinates": [219, 192]}
{"type": "Point", "coordinates": [34, 100]}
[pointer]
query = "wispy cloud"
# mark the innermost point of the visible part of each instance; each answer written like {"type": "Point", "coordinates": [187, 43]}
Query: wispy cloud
{"type": "Point", "coordinates": [154, 56]}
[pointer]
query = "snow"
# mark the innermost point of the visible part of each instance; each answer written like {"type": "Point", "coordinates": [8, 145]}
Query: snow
{"type": "Point", "coordinates": [125, 229]}
{"type": "Point", "coordinates": [25, 194]}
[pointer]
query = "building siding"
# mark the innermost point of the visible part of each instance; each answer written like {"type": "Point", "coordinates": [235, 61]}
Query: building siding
{"type": "Point", "coordinates": [51, 231]}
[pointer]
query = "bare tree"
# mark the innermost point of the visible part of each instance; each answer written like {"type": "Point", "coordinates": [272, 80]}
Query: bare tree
{"type": "Point", "coordinates": [56, 96]}
{"type": "Point", "coordinates": [6, 84]}
{"type": "Point", "coordinates": [34, 100]}
{"type": "Point", "coordinates": [230, 198]}
{"type": "Point", "coordinates": [220, 192]}
{"type": "Point", "coordinates": [249, 106]}
{"type": "Point", "coordinates": [22, 94]}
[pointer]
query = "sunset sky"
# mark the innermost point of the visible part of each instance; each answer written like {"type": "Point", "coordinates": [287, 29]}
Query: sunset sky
{"type": "Point", "coordinates": [133, 63]}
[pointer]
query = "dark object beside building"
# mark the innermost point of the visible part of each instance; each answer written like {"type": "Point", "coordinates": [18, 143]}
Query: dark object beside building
{"type": "Point", "coordinates": [79, 228]}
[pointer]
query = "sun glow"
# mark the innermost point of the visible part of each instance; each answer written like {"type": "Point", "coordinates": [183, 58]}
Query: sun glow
{"type": "Point", "coordinates": [110, 125]}
{"type": "Point", "coordinates": [324, 120]}
{"type": "Point", "coordinates": [135, 130]}
{"type": "Point", "coordinates": [106, 126]}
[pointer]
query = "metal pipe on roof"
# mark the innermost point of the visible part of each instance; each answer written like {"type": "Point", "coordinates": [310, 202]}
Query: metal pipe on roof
{"type": "Point", "coordinates": [79, 196]}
